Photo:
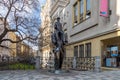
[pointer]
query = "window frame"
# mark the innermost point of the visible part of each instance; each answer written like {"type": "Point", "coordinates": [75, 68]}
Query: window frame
{"type": "Point", "coordinates": [88, 11]}
{"type": "Point", "coordinates": [80, 18]}
{"type": "Point", "coordinates": [88, 49]}
{"type": "Point", "coordinates": [81, 14]}
{"type": "Point", "coordinates": [81, 50]}
{"type": "Point", "coordinates": [76, 51]}
{"type": "Point", "coordinates": [75, 21]}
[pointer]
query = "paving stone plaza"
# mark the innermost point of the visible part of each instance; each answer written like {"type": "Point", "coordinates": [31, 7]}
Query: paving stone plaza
{"type": "Point", "coordinates": [72, 75]}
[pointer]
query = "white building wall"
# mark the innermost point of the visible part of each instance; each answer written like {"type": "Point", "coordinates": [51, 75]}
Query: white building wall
{"type": "Point", "coordinates": [118, 11]}
{"type": "Point", "coordinates": [96, 25]}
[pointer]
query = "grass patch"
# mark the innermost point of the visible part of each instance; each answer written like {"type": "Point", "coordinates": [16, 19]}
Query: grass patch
{"type": "Point", "coordinates": [21, 66]}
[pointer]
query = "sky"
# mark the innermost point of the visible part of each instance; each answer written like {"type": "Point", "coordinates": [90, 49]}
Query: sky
{"type": "Point", "coordinates": [42, 2]}
{"type": "Point", "coordinates": [35, 13]}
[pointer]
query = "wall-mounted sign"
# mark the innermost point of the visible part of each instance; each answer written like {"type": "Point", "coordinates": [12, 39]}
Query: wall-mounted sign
{"type": "Point", "coordinates": [104, 8]}
{"type": "Point", "coordinates": [114, 51]}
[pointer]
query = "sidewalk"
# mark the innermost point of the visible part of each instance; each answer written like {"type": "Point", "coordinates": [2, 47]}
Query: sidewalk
{"type": "Point", "coordinates": [73, 75]}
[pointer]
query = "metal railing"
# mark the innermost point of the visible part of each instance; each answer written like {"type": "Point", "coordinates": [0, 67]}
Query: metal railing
{"type": "Point", "coordinates": [76, 63]}
{"type": "Point", "coordinates": [87, 63]}
{"type": "Point", "coordinates": [79, 63]}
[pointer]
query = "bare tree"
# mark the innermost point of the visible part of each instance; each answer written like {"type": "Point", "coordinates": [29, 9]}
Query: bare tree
{"type": "Point", "coordinates": [17, 14]}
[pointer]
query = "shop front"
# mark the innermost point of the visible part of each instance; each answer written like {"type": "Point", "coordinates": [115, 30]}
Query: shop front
{"type": "Point", "coordinates": [111, 52]}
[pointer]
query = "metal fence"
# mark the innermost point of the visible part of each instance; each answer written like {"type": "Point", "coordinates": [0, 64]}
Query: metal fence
{"type": "Point", "coordinates": [76, 63]}
{"type": "Point", "coordinates": [87, 63]}
{"type": "Point", "coordinates": [79, 63]}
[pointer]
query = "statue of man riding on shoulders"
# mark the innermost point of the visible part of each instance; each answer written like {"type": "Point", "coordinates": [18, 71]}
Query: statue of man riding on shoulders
{"type": "Point", "coordinates": [58, 40]}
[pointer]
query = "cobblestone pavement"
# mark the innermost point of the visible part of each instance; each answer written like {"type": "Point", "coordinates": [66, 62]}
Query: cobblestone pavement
{"type": "Point", "coordinates": [72, 75]}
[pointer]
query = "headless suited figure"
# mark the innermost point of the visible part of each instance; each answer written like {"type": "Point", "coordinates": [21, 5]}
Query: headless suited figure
{"type": "Point", "coordinates": [59, 42]}
{"type": "Point", "coordinates": [58, 30]}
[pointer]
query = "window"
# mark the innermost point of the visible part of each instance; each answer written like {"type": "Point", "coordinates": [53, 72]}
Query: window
{"type": "Point", "coordinates": [81, 50]}
{"type": "Point", "coordinates": [88, 12]}
{"type": "Point", "coordinates": [76, 51]}
{"type": "Point", "coordinates": [75, 13]}
{"type": "Point", "coordinates": [81, 11]}
{"type": "Point", "coordinates": [88, 50]}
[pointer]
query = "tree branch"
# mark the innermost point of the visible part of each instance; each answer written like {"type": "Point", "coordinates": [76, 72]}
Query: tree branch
{"type": "Point", "coordinates": [18, 40]}
{"type": "Point", "coordinates": [4, 46]}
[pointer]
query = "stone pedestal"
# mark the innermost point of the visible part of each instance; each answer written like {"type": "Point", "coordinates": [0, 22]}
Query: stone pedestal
{"type": "Point", "coordinates": [74, 63]}
{"type": "Point", "coordinates": [37, 65]}
{"type": "Point", "coordinates": [97, 64]}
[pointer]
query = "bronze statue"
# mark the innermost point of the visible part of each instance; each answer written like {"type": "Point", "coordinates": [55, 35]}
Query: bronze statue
{"type": "Point", "coordinates": [58, 39]}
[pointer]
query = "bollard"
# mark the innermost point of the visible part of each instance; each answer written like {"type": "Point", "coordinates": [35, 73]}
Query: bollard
{"type": "Point", "coordinates": [74, 63]}
{"type": "Point", "coordinates": [37, 64]}
{"type": "Point", "coordinates": [97, 64]}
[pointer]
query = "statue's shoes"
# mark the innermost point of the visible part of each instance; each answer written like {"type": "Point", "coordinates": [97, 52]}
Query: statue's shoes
{"type": "Point", "coordinates": [57, 72]}
{"type": "Point", "coordinates": [57, 49]}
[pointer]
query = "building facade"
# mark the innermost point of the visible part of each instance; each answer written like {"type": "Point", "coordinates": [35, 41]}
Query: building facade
{"type": "Point", "coordinates": [12, 50]}
{"type": "Point", "coordinates": [57, 7]}
{"type": "Point", "coordinates": [5, 52]}
{"type": "Point", "coordinates": [45, 39]}
{"type": "Point", "coordinates": [93, 28]}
